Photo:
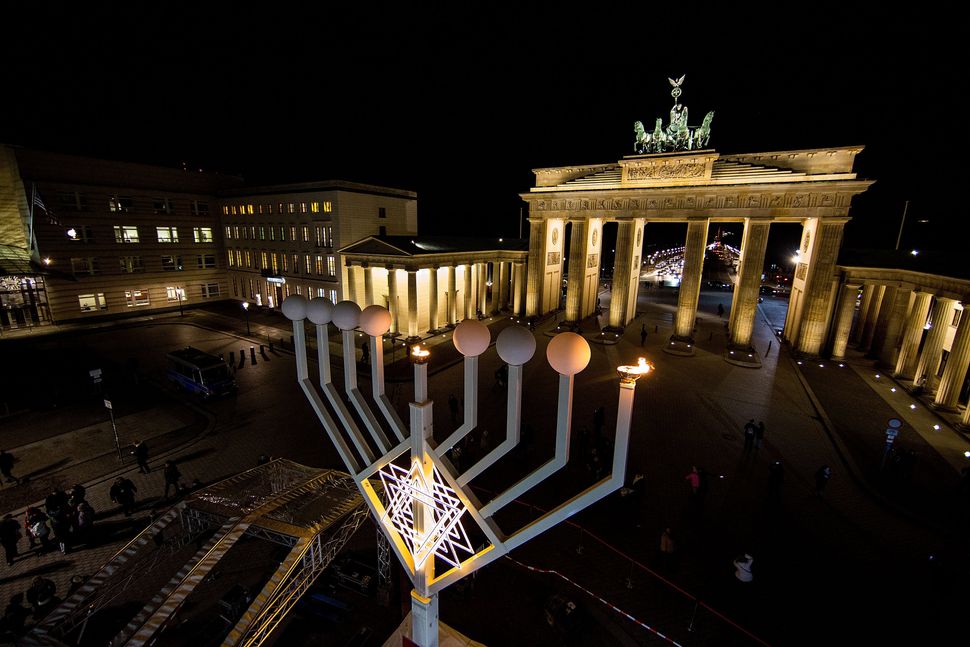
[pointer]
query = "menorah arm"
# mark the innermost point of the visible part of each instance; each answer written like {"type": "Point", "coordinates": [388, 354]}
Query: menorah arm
{"type": "Point", "coordinates": [330, 426]}
{"type": "Point", "coordinates": [350, 383]}
{"type": "Point", "coordinates": [471, 406]}
{"type": "Point", "coordinates": [323, 354]}
{"type": "Point", "coordinates": [512, 426]}
{"type": "Point", "coordinates": [377, 387]}
{"type": "Point", "coordinates": [553, 465]}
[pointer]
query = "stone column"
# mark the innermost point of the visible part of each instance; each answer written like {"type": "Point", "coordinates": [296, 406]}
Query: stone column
{"type": "Point", "coordinates": [577, 270]}
{"type": "Point", "coordinates": [900, 308]}
{"type": "Point", "coordinates": [413, 305]}
{"type": "Point", "coordinates": [503, 294]}
{"type": "Point", "coordinates": [872, 317]}
{"type": "Point", "coordinates": [856, 335]}
{"type": "Point", "coordinates": [518, 282]}
{"type": "Point", "coordinates": [432, 299]}
{"type": "Point", "coordinates": [912, 335]}
{"type": "Point", "coordinates": [956, 367]}
{"type": "Point", "coordinates": [623, 274]}
{"type": "Point", "coordinates": [690, 281]}
{"type": "Point", "coordinates": [481, 271]}
{"type": "Point", "coordinates": [392, 303]}
{"type": "Point", "coordinates": [882, 321]}
{"type": "Point", "coordinates": [466, 301]}
{"type": "Point", "coordinates": [818, 287]}
{"type": "Point", "coordinates": [744, 305]}
{"type": "Point", "coordinates": [493, 298]}
{"type": "Point", "coordinates": [537, 262]}
{"type": "Point", "coordinates": [929, 359]}
{"type": "Point", "coordinates": [368, 287]}
{"type": "Point", "coordinates": [843, 320]}
{"type": "Point", "coordinates": [452, 296]}
{"type": "Point", "coordinates": [352, 283]}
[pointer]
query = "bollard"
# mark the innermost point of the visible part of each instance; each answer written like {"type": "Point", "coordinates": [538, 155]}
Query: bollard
{"type": "Point", "coordinates": [242, 356]}
{"type": "Point", "coordinates": [291, 342]}
{"type": "Point", "coordinates": [271, 347]}
{"type": "Point", "coordinates": [262, 349]}
{"type": "Point", "coordinates": [252, 354]}
{"type": "Point", "coordinates": [232, 357]}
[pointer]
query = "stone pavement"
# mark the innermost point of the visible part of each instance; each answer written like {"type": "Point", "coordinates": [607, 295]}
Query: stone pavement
{"type": "Point", "coordinates": [826, 567]}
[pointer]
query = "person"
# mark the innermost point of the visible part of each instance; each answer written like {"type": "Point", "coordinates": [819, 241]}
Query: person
{"type": "Point", "coordinates": [78, 492]}
{"type": "Point", "coordinates": [365, 352]}
{"type": "Point", "coordinates": [123, 493]}
{"type": "Point", "coordinates": [759, 434]}
{"type": "Point", "coordinates": [42, 596]}
{"type": "Point", "coordinates": [6, 466]}
{"type": "Point", "coordinates": [667, 546]}
{"type": "Point", "coordinates": [56, 500]}
{"type": "Point", "coordinates": [172, 476]}
{"type": "Point", "coordinates": [720, 310]}
{"type": "Point", "coordinates": [141, 456]}
{"type": "Point", "coordinates": [15, 615]}
{"type": "Point", "coordinates": [35, 525]}
{"type": "Point", "coordinates": [10, 537]}
{"type": "Point", "coordinates": [693, 479]}
{"type": "Point", "coordinates": [453, 408]}
{"type": "Point", "coordinates": [83, 521]}
{"type": "Point", "coordinates": [60, 521]}
{"type": "Point", "coordinates": [749, 431]}
{"type": "Point", "coordinates": [742, 568]}
{"type": "Point", "coordinates": [643, 334]}
{"type": "Point", "coordinates": [822, 476]}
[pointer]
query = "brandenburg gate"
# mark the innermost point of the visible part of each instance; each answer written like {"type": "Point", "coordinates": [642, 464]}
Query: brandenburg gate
{"type": "Point", "coordinates": [676, 178]}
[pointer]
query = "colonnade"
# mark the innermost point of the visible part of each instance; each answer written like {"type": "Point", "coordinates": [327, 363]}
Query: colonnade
{"type": "Point", "coordinates": [914, 329]}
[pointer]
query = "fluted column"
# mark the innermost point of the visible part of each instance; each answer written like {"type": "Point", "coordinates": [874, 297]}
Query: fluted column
{"type": "Point", "coordinates": [503, 285]}
{"type": "Point", "coordinates": [351, 287]}
{"type": "Point", "coordinates": [368, 287]}
{"type": "Point", "coordinates": [843, 320]}
{"type": "Point", "coordinates": [481, 273]}
{"type": "Point", "coordinates": [432, 298]}
{"type": "Point", "coordinates": [744, 306]}
{"type": "Point", "coordinates": [912, 335]}
{"type": "Point", "coordinates": [412, 304]}
{"type": "Point", "coordinates": [392, 303]}
{"type": "Point", "coordinates": [466, 301]}
{"type": "Point", "coordinates": [897, 321]}
{"type": "Point", "coordinates": [452, 296]}
{"type": "Point", "coordinates": [690, 280]}
{"type": "Point", "coordinates": [493, 298]}
{"type": "Point", "coordinates": [577, 270]}
{"type": "Point", "coordinates": [623, 274]}
{"type": "Point", "coordinates": [816, 300]}
{"type": "Point", "coordinates": [537, 262]}
{"type": "Point", "coordinates": [518, 282]}
{"type": "Point", "coordinates": [956, 367]}
{"type": "Point", "coordinates": [929, 359]}
{"type": "Point", "coordinates": [882, 321]}
{"type": "Point", "coordinates": [856, 334]}
{"type": "Point", "coordinates": [872, 317]}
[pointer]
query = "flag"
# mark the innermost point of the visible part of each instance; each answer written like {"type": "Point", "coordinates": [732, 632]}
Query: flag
{"type": "Point", "coordinates": [38, 202]}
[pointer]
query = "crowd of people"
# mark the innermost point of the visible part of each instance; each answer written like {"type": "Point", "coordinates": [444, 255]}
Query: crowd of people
{"type": "Point", "coordinates": [66, 520]}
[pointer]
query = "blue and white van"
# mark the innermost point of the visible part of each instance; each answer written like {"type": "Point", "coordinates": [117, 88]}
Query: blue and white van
{"type": "Point", "coordinates": [195, 371]}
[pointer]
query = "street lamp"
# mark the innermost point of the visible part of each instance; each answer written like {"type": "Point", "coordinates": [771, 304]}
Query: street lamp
{"type": "Point", "coordinates": [245, 306]}
{"type": "Point", "coordinates": [179, 293]}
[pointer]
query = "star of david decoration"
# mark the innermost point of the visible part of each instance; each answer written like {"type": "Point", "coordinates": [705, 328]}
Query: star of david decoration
{"type": "Point", "coordinates": [446, 536]}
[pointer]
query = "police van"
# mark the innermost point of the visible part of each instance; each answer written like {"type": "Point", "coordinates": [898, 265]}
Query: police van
{"type": "Point", "coordinates": [195, 371]}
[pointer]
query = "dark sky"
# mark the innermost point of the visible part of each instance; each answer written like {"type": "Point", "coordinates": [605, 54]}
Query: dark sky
{"type": "Point", "coordinates": [460, 101]}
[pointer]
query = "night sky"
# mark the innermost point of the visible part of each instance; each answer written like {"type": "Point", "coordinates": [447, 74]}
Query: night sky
{"type": "Point", "coordinates": [461, 101]}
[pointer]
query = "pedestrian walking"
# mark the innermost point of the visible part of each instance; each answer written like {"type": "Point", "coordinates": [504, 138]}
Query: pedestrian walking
{"type": "Point", "coordinates": [643, 334]}
{"type": "Point", "coordinates": [83, 521]}
{"type": "Point", "coordinates": [56, 500]}
{"type": "Point", "coordinates": [693, 479]}
{"type": "Point", "coordinates": [742, 568]}
{"type": "Point", "coordinates": [123, 493]}
{"type": "Point", "coordinates": [453, 408]}
{"type": "Point", "coordinates": [6, 466]}
{"type": "Point", "coordinates": [78, 494]}
{"type": "Point", "coordinates": [172, 476]}
{"type": "Point", "coordinates": [141, 456]}
{"type": "Point", "coordinates": [720, 310]}
{"type": "Point", "coordinates": [759, 434]}
{"type": "Point", "coordinates": [36, 528]}
{"type": "Point", "coordinates": [10, 537]}
{"type": "Point", "coordinates": [60, 520]}
{"type": "Point", "coordinates": [42, 596]}
{"type": "Point", "coordinates": [365, 352]}
{"type": "Point", "coordinates": [749, 432]}
{"type": "Point", "coordinates": [667, 547]}
{"type": "Point", "coordinates": [822, 476]}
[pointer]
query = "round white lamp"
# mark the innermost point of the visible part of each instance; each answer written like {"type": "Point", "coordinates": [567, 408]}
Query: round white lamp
{"type": "Point", "coordinates": [346, 315]}
{"type": "Point", "coordinates": [516, 345]}
{"type": "Point", "coordinates": [471, 337]}
{"type": "Point", "coordinates": [320, 310]}
{"type": "Point", "coordinates": [294, 307]}
{"type": "Point", "coordinates": [568, 353]}
{"type": "Point", "coordinates": [375, 320]}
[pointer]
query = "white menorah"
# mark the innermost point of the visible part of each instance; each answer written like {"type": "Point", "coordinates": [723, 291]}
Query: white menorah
{"type": "Point", "coordinates": [427, 498]}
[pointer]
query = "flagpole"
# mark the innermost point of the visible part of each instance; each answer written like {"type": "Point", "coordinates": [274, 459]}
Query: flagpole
{"type": "Point", "coordinates": [30, 218]}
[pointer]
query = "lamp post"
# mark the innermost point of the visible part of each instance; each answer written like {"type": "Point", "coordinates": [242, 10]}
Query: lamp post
{"type": "Point", "coordinates": [178, 293]}
{"type": "Point", "coordinates": [245, 306]}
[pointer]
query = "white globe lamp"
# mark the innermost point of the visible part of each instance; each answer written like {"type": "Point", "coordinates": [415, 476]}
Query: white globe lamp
{"type": "Point", "coordinates": [516, 345]}
{"type": "Point", "coordinates": [375, 320]}
{"type": "Point", "coordinates": [471, 337]}
{"type": "Point", "coordinates": [320, 310]}
{"type": "Point", "coordinates": [568, 353]}
{"type": "Point", "coordinates": [294, 307]}
{"type": "Point", "coordinates": [346, 315]}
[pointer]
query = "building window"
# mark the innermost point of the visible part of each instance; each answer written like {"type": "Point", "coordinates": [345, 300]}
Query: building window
{"type": "Point", "coordinates": [210, 290]}
{"type": "Point", "coordinates": [172, 264]}
{"type": "Point", "coordinates": [306, 234]}
{"type": "Point", "coordinates": [321, 292]}
{"type": "Point", "coordinates": [230, 258]}
{"type": "Point", "coordinates": [315, 207]}
{"type": "Point", "coordinates": [235, 233]}
{"type": "Point", "coordinates": [238, 258]}
{"type": "Point", "coordinates": [86, 265]}
{"type": "Point", "coordinates": [382, 231]}
{"type": "Point", "coordinates": [122, 205]}
{"type": "Point", "coordinates": [167, 234]}
{"type": "Point", "coordinates": [269, 209]}
{"type": "Point", "coordinates": [381, 212]}
{"type": "Point", "coordinates": [72, 201]}
{"type": "Point", "coordinates": [135, 298]}
{"type": "Point", "coordinates": [228, 232]}
{"type": "Point", "coordinates": [282, 232]}
{"type": "Point", "coordinates": [333, 296]}
{"type": "Point", "coordinates": [206, 261]}
{"type": "Point", "coordinates": [291, 207]}
{"type": "Point", "coordinates": [293, 233]}
{"type": "Point", "coordinates": [249, 209]}
{"type": "Point", "coordinates": [331, 266]}
{"type": "Point", "coordinates": [306, 263]}
{"type": "Point", "coordinates": [303, 208]}
{"type": "Point", "coordinates": [131, 264]}
{"type": "Point", "coordinates": [249, 259]}
{"type": "Point", "coordinates": [299, 290]}
{"type": "Point", "coordinates": [285, 263]}
{"type": "Point", "coordinates": [91, 302]}
{"type": "Point", "coordinates": [318, 232]}
{"type": "Point", "coordinates": [252, 232]}
{"type": "Point", "coordinates": [264, 256]}
{"type": "Point", "coordinates": [318, 265]}
{"type": "Point", "coordinates": [162, 205]}
{"type": "Point", "coordinates": [279, 208]}
{"type": "Point", "coordinates": [200, 208]}
{"type": "Point", "coordinates": [80, 233]}
{"type": "Point", "coordinates": [202, 234]}
{"type": "Point", "coordinates": [327, 236]}
{"type": "Point", "coordinates": [272, 233]}
{"type": "Point", "coordinates": [126, 234]}
{"type": "Point", "coordinates": [232, 209]}
{"type": "Point", "coordinates": [327, 206]}
{"type": "Point", "coordinates": [175, 294]}
{"type": "Point", "coordinates": [274, 258]}
{"type": "Point", "coordinates": [225, 210]}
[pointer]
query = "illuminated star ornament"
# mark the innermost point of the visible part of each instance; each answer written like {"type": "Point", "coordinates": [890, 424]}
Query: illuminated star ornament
{"type": "Point", "coordinates": [446, 535]}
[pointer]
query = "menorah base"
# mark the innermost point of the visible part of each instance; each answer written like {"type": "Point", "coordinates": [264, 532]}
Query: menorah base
{"type": "Point", "coordinates": [447, 636]}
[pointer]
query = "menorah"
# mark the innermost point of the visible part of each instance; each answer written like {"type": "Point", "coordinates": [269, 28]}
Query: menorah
{"type": "Point", "coordinates": [426, 499]}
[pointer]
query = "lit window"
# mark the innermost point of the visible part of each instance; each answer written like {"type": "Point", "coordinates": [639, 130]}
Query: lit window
{"type": "Point", "coordinates": [319, 264]}
{"type": "Point", "coordinates": [91, 302]}
{"type": "Point", "coordinates": [206, 261]}
{"type": "Point", "coordinates": [321, 292]}
{"type": "Point", "coordinates": [172, 264]}
{"type": "Point", "coordinates": [202, 234]}
{"type": "Point", "coordinates": [230, 258]}
{"type": "Point", "coordinates": [242, 210]}
{"type": "Point", "coordinates": [245, 231]}
{"type": "Point", "coordinates": [228, 232]}
{"type": "Point", "coordinates": [175, 294]}
{"type": "Point", "coordinates": [331, 266]}
{"type": "Point", "coordinates": [327, 207]}
{"type": "Point", "coordinates": [265, 259]}
{"type": "Point", "coordinates": [262, 233]}
{"type": "Point", "coordinates": [249, 209]}
{"type": "Point", "coordinates": [238, 258]}
{"type": "Point", "coordinates": [303, 208]}
{"type": "Point", "coordinates": [210, 290]}
{"type": "Point", "coordinates": [315, 208]}
{"type": "Point", "coordinates": [235, 233]}
{"type": "Point", "coordinates": [119, 204]}
{"type": "Point", "coordinates": [225, 210]}
{"type": "Point", "coordinates": [249, 260]}
{"type": "Point", "coordinates": [291, 207]}
{"type": "Point", "coordinates": [956, 317]}
{"type": "Point", "coordinates": [235, 287]}
{"type": "Point", "coordinates": [131, 264]}
{"type": "Point", "coordinates": [282, 232]}
{"type": "Point", "coordinates": [233, 209]}
{"type": "Point", "coordinates": [274, 258]}
{"type": "Point", "coordinates": [292, 233]}
{"type": "Point", "coordinates": [126, 234]}
{"type": "Point", "coordinates": [328, 236]}
{"type": "Point", "coordinates": [167, 234]}
{"type": "Point", "coordinates": [134, 298]}
{"type": "Point", "coordinates": [279, 208]}
{"type": "Point", "coordinates": [259, 209]}
{"type": "Point", "coordinates": [333, 296]}
{"type": "Point", "coordinates": [272, 233]}
{"type": "Point", "coordinates": [80, 233]}
{"type": "Point", "coordinates": [306, 234]}
{"type": "Point", "coordinates": [306, 263]}
{"type": "Point", "coordinates": [286, 265]}
{"type": "Point", "coordinates": [319, 236]}
{"type": "Point", "coordinates": [269, 209]}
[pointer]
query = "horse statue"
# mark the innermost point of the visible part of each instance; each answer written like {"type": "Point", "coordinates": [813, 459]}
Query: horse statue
{"type": "Point", "coordinates": [658, 140]}
{"type": "Point", "coordinates": [702, 134]}
{"type": "Point", "coordinates": [641, 138]}
{"type": "Point", "coordinates": [649, 142]}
